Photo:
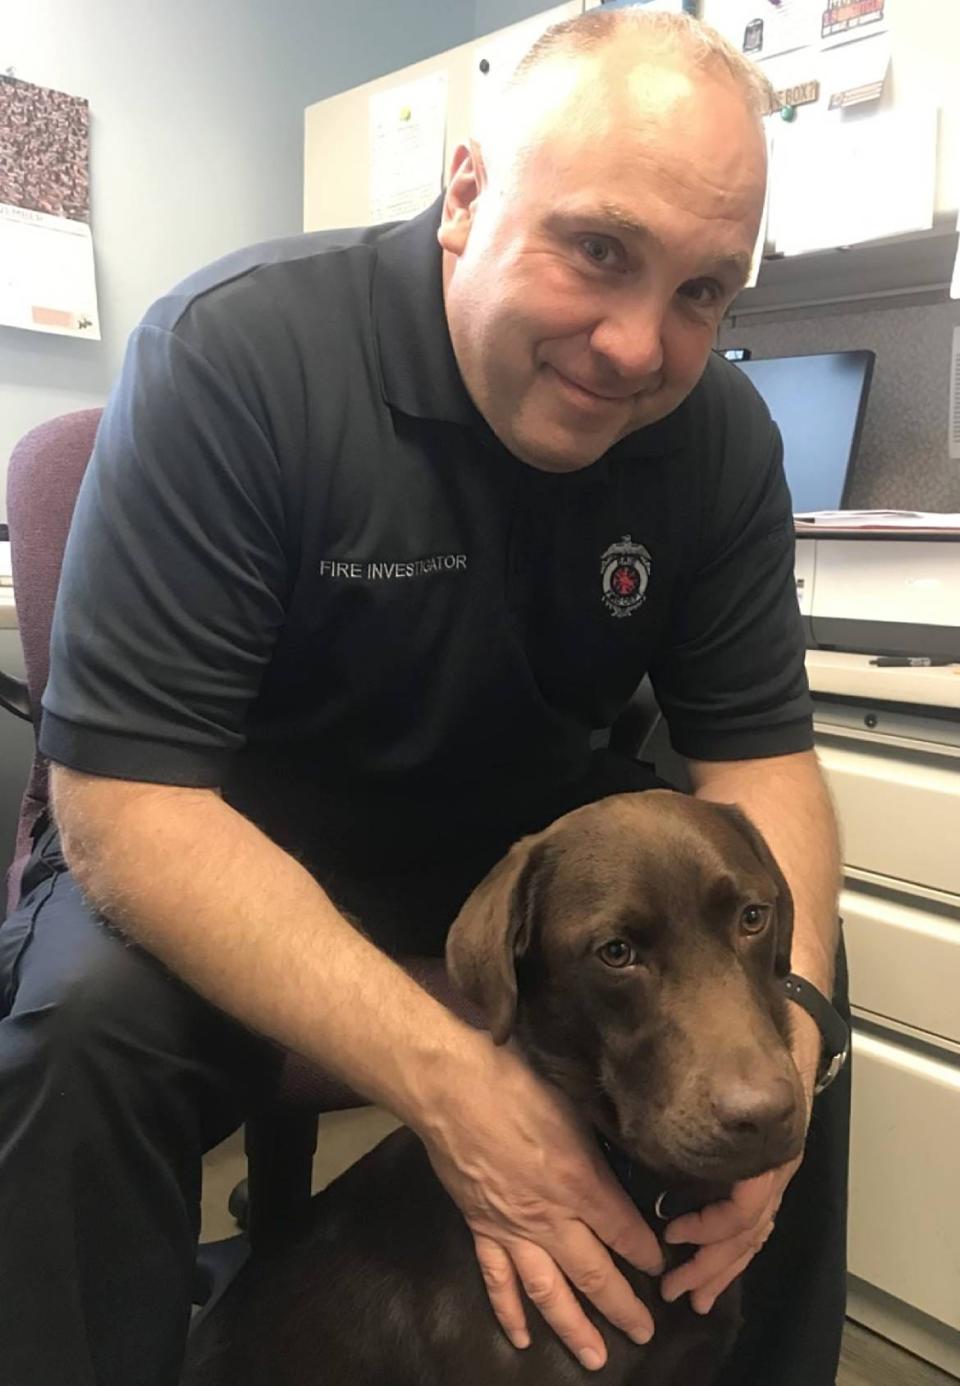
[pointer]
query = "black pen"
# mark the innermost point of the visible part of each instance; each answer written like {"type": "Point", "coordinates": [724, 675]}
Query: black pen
{"type": "Point", "coordinates": [907, 662]}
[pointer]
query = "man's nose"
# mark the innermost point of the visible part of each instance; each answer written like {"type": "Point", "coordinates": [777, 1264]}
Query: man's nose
{"type": "Point", "coordinates": [631, 342]}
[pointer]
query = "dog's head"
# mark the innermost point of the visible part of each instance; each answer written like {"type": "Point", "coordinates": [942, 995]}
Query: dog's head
{"type": "Point", "coordinates": [635, 950]}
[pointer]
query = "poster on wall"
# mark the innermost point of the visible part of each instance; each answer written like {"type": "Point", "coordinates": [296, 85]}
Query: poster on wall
{"type": "Point", "coordinates": [408, 124]}
{"type": "Point", "coordinates": [47, 278]}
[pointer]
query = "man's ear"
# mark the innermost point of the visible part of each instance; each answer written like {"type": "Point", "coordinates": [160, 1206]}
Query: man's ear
{"type": "Point", "coordinates": [468, 178]}
{"type": "Point", "coordinates": [784, 895]}
{"type": "Point", "coordinates": [494, 928]}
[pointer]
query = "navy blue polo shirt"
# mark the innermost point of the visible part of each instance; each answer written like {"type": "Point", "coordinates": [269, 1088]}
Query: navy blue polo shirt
{"type": "Point", "coordinates": [303, 568]}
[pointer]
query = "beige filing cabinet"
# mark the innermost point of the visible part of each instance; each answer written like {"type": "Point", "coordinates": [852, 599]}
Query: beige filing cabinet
{"type": "Point", "coordinates": [889, 742]}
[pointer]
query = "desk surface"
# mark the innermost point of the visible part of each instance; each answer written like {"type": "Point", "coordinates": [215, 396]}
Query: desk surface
{"type": "Point", "coordinates": [853, 676]}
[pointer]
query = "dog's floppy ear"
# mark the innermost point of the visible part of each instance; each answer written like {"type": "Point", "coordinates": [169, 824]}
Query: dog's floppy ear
{"type": "Point", "coordinates": [492, 930]}
{"type": "Point", "coordinates": [784, 895]}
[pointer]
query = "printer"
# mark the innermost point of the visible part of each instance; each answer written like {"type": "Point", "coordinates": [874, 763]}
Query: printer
{"type": "Point", "coordinates": [890, 593]}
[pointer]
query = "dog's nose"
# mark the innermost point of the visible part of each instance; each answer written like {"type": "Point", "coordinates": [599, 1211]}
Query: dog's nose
{"type": "Point", "coordinates": [750, 1109]}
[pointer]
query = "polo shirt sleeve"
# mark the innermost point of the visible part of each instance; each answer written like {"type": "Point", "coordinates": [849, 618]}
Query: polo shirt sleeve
{"type": "Point", "coordinates": [730, 678]}
{"type": "Point", "coordinates": [174, 576]}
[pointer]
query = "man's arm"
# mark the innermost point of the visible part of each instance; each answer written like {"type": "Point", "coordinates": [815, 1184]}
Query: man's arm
{"type": "Point", "coordinates": [201, 888]}
{"type": "Point", "coordinates": [788, 800]}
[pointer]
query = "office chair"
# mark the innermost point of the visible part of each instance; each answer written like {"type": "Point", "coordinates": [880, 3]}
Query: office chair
{"type": "Point", "coordinates": [45, 472]}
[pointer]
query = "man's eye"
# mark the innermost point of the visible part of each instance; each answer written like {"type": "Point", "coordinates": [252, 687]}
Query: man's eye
{"type": "Point", "coordinates": [754, 918]}
{"type": "Point", "coordinates": [703, 293]}
{"type": "Point", "coordinates": [617, 953]}
{"type": "Point", "coordinates": [600, 251]}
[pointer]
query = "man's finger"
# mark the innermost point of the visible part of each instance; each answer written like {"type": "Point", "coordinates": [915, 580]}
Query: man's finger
{"type": "Point", "coordinates": [588, 1266]}
{"type": "Point", "coordinates": [711, 1263]}
{"type": "Point", "coordinates": [502, 1290]}
{"type": "Point", "coordinates": [555, 1300]}
{"type": "Point", "coordinates": [703, 1300]}
{"type": "Point", "coordinates": [718, 1222]}
{"type": "Point", "coordinates": [615, 1221]}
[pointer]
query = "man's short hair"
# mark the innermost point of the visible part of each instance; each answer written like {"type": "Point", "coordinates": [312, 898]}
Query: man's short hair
{"type": "Point", "coordinates": [679, 33]}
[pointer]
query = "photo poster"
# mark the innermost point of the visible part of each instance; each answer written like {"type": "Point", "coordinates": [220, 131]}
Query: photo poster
{"type": "Point", "coordinates": [408, 125]}
{"type": "Point", "coordinates": [47, 276]}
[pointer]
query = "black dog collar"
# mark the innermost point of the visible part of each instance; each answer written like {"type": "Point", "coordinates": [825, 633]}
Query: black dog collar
{"type": "Point", "coordinates": [833, 1028]}
{"type": "Point", "coordinates": [658, 1201]}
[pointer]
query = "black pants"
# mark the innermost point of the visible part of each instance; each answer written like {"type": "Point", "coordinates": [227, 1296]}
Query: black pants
{"type": "Point", "coordinates": [115, 1078]}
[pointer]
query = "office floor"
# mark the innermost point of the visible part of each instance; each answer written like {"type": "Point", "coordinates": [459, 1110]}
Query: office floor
{"type": "Point", "coordinates": [867, 1360]}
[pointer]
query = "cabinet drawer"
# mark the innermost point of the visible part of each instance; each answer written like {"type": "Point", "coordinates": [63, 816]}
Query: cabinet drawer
{"type": "Point", "coordinates": [904, 962]}
{"type": "Point", "coordinates": [900, 813]}
{"type": "Point", "coordinates": [904, 1212]}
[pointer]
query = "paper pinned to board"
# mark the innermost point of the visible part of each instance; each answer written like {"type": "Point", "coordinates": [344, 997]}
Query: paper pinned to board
{"type": "Point", "coordinates": [855, 73]}
{"type": "Point", "coordinates": [840, 182]}
{"type": "Point", "coordinates": [846, 20]}
{"type": "Point", "coordinates": [762, 29]}
{"type": "Point", "coordinates": [408, 124]}
{"type": "Point", "coordinates": [47, 274]}
{"type": "Point", "coordinates": [955, 282]}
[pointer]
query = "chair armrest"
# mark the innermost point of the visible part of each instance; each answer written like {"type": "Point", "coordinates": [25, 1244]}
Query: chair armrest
{"type": "Point", "coordinates": [15, 697]}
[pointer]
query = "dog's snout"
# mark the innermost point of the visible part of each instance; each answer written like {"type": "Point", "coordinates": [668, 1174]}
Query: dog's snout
{"type": "Point", "coordinates": [746, 1109]}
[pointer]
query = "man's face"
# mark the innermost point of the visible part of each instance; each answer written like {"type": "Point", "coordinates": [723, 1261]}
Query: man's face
{"type": "Point", "coordinates": [584, 290]}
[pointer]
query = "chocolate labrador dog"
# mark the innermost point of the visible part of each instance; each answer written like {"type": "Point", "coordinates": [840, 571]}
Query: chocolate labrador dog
{"type": "Point", "coordinates": [634, 951]}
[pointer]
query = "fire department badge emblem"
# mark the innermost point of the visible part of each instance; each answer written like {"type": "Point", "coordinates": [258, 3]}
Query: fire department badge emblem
{"type": "Point", "coordinates": [624, 573]}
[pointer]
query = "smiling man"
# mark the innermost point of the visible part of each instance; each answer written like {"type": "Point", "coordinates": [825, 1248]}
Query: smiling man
{"type": "Point", "coordinates": [381, 527]}
{"type": "Point", "coordinates": [596, 239]}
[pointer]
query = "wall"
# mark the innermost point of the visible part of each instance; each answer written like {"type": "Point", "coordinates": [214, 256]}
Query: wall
{"type": "Point", "coordinates": [497, 14]}
{"type": "Point", "coordinates": [904, 461]}
{"type": "Point", "coordinates": [197, 115]}
{"type": "Point", "coordinates": [197, 147]}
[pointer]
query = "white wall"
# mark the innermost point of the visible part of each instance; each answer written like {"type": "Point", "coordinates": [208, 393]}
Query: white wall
{"type": "Point", "coordinates": [197, 114]}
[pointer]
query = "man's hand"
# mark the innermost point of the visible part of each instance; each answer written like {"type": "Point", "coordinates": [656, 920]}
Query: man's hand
{"type": "Point", "coordinates": [730, 1234]}
{"type": "Point", "coordinates": [542, 1206]}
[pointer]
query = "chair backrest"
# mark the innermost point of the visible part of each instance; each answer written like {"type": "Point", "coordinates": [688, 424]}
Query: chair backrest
{"type": "Point", "coordinates": [46, 468]}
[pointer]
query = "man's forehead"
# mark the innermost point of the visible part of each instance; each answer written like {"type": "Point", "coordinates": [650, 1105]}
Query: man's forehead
{"type": "Point", "coordinates": [633, 177]}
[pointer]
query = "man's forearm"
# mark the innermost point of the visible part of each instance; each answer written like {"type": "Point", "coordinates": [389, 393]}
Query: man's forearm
{"type": "Point", "coordinates": [206, 892]}
{"type": "Point", "coordinates": [787, 799]}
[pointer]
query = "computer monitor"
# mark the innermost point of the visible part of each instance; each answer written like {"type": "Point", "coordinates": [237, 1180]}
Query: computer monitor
{"type": "Point", "coordinates": [819, 403]}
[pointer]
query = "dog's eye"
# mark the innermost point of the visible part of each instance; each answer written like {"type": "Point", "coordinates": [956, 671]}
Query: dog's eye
{"type": "Point", "coordinates": [617, 953]}
{"type": "Point", "coordinates": [754, 918]}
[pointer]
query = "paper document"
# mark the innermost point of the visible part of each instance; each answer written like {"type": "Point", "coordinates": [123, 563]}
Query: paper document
{"type": "Point", "coordinates": [494, 62]}
{"type": "Point", "coordinates": [855, 72]}
{"type": "Point", "coordinates": [879, 519]}
{"type": "Point", "coordinates": [407, 136]}
{"type": "Point", "coordinates": [839, 182]}
{"type": "Point", "coordinates": [762, 29]}
{"type": "Point", "coordinates": [845, 20]}
{"type": "Point", "coordinates": [47, 280]}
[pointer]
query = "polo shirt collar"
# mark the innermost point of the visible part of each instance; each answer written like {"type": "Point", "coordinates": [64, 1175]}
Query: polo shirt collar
{"type": "Point", "coordinates": [418, 369]}
{"type": "Point", "coordinates": [419, 374]}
